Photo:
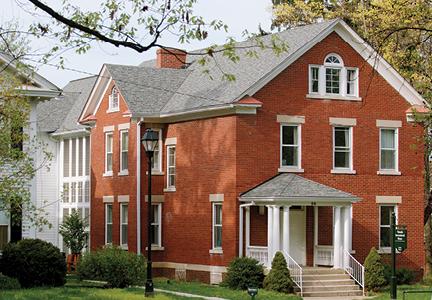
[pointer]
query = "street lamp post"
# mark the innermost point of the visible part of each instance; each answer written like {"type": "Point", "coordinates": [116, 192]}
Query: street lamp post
{"type": "Point", "coordinates": [149, 140]}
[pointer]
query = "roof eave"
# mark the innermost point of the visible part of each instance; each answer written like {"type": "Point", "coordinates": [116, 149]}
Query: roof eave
{"type": "Point", "coordinates": [311, 200]}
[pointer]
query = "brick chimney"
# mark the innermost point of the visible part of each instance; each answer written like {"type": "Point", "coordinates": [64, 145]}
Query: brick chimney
{"type": "Point", "coordinates": [170, 58]}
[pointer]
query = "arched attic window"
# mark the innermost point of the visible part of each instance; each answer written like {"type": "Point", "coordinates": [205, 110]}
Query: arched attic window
{"type": "Point", "coordinates": [114, 100]}
{"type": "Point", "coordinates": [333, 80]}
{"type": "Point", "coordinates": [333, 65]}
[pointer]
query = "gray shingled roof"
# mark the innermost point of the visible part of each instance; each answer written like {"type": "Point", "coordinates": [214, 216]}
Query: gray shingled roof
{"type": "Point", "coordinates": [182, 90]}
{"type": "Point", "coordinates": [292, 186]}
{"type": "Point", "coordinates": [146, 90]}
{"type": "Point", "coordinates": [61, 114]}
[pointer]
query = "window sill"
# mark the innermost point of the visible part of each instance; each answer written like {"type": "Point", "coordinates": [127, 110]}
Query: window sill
{"type": "Point", "coordinates": [290, 170]}
{"type": "Point", "coordinates": [156, 248]}
{"type": "Point", "coordinates": [156, 173]}
{"type": "Point", "coordinates": [123, 173]}
{"type": "Point", "coordinates": [216, 251]}
{"type": "Point", "coordinates": [124, 247]}
{"type": "Point", "coordinates": [343, 171]}
{"type": "Point", "coordinates": [333, 97]}
{"type": "Point", "coordinates": [107, 174]}
{"type": "Point", "coordinates": [169, 190]}
{"type": "Point", "coordinates": [389, 172]}
{"type": "Point", "coordinates": [386, 251]}
{"type": "Point", "coordinates": [113, 110]}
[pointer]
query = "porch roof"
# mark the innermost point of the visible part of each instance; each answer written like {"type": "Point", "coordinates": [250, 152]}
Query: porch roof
{"type": "Point", "coordinates": [295, 188]}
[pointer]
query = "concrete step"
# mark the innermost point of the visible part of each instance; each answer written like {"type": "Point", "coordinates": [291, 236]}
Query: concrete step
{"type": "Point", "coordinates": [331, 288]}
{"type": "Point", "coordinates": [345, 293]}
{"type": "Point", "coordinates": [322, 271]}
{"type": "Point", "coordinates": [327, 282]}
{"type": "Point", "coordinates": [326, 277]}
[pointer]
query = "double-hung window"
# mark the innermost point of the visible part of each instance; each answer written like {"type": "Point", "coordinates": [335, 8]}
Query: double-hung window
{"type": "Point", "coordinates": [171, 166]}
{"type": "Point", "coordinates": [342, 148]}
{"type": "Point", "coordinates": [156, 225]}
{"type": "Point", "coordinates": [108, 223]}
{"type": "Point", "coordinates": [157, 154]}
{"type": "Point", "coordinates": [108, 153]}
{"type": "Point", "coordinates": [124, 225]}
{"type": "Point", "coordinates": [389, 149]}
{"type": "Point", "coordinates": [290, 146]}
{"type": "Point", "coordinates": [124, 146]}
{"type": "Point", "coordinates": [114, 102]}
{"type": "Point", "coordinates": [384, 225]}
{"type": "Point", "coordinates": [217, 226]}
{"type": "Point", "coordinates": [332, 80]}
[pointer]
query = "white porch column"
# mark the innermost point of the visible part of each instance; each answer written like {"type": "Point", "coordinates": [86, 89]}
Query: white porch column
{"type": "Point", "coordinates": [276, 230]}
{"type": "Point", "coordinates": [241, 232]}
{"type": "Point", "coordinates": [247, 233]}
{"type": "Point", "coordinates": [269, 233]}
{"type": "Point", "coordinates": [315, 234]}
{"type": "Point", "coordinates": [347, 233]}
{"type": "Point", "coordinates": [286, 229]}
{"type": "Point", "coordinates": [337, 240]}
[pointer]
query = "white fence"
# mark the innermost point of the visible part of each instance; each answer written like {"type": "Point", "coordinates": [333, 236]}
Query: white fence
{"type": "Point", "coordinates": [355, 269]}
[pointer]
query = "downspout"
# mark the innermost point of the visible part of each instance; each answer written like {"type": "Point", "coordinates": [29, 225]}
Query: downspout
{"type": "Point", "coordinates": [138, 187]}
{"type": "Point", "coordinates": [241, 226]}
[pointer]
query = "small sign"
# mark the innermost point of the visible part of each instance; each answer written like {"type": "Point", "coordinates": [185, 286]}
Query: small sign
{"type": "Point", "coordinates": [400, 238]}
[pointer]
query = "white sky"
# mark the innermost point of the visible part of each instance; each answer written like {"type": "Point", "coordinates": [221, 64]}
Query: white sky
{"type": "Point", "coordinates": [237, 14]}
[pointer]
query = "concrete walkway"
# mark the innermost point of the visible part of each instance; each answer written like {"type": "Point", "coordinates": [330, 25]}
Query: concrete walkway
{"type": "Point", "coordinates": [185, 294]}
{"type": "Point", "coordinates": [337, 298]}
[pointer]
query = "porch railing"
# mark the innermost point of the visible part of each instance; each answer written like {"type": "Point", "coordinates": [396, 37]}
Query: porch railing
{"type": "Point", "coordinates": [296, 272]}
{"type": "Point", "coordinates": [355, 270]}
{"type": "Point", "coordinates": [259, 253]}
{"type": "Point", "coordinates": [324, 255]}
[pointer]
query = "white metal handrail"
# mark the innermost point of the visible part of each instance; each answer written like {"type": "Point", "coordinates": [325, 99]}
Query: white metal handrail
{"type": "Point", "coordinates": [259, 253]}
{"type": "Point", "coordinates": [296, 272]}
{"type": "Point", "coordinates": [355, 270]}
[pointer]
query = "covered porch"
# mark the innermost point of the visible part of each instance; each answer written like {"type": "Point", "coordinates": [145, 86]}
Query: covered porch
{"type": "Point", "coordinates": [310, 223]}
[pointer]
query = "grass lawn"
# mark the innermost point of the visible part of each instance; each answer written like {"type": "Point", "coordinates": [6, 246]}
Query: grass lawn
{"type": "Point", "coordinates": [74, 290]}
{"type": "Point", "coordinates": [216, 291]}
{"type": "Point", "coordinates": [425, 296]}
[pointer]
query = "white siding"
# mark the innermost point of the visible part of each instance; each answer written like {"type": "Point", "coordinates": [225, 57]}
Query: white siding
{"type": "Point", "coordinates": [47, 190]}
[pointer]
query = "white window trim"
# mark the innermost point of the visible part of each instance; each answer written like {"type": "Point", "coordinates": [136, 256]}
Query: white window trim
{"type": "Point", "coordinates": [385, 249]}
{"type": "Point", "coordinates": [216, 250]}
{"type": "Point", "coordinates": [349, 170]}
{"type": "Point", "coordinates": [291, 169]}
{"type": "Point", "coordinates": [123, 172]}
{"type": "Point", "coordinates": [343, 79]}
{"type": "Point", "coordinates": [106, 223]}
{"type": "Point", "coordinates": [109, 173]}
{"type": "Point", "coordinates": [394, 171]}
{"type": "Point", "coordinates": [110, 108]}
{"type": "Point", "coordinates": [170, 188]}
{"type": "Point", "coordinates": [122, 205]}
{"type": "Point", "coordinates": [159, 245]}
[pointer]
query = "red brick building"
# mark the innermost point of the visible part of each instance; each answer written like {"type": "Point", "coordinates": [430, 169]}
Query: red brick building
{"type": "Point", "coordinates": [308, 153]}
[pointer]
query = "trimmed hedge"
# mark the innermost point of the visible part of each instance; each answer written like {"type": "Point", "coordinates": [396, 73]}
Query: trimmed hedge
{"type": "Point", "coordinates": [9, 283]}
{"type": "Point", "coordinates": [34, 263]}
{"type": "Point", "coordinates": [403, 275]}
{"type": "Point", "coordinates": [279, 278]}
{"type": "Point", "coordinates": [374, 271]}
{"type": "Point", "coordinates": [244, 272]}
{"type": "Point", "coordinates": [114, 265]}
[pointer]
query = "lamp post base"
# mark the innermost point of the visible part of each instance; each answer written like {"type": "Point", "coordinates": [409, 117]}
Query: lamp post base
{"type": "Point", "coordinates": [149, 291]}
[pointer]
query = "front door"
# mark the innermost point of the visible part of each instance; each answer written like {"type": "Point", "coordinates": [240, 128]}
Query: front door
{"type": "Point", "coordinates": [297, 233]}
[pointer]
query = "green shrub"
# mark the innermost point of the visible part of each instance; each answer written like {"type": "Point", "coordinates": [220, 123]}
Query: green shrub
{"type": "Point", "coordinates": [374, 271]}
{"type": "Point", "coordinates": [34, 263]}
{"type": "Point", "coordinates": [9, 283]}
{"type": "Point", "coordinates": [244, 272]}
{"type": "Point", "coordinates": [73, 232]}
{"type": "Point", "coordinates": [117, 267]}
{"type": "Point", "coordinates": [279, 278]}
{"type": "Point", "coordinates": [403, 275]}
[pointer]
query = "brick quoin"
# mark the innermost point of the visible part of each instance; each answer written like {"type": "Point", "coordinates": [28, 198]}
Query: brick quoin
{"type": "Point", "coordinates": [231, 154]}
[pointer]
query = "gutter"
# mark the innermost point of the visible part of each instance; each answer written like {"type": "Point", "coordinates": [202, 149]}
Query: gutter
{"type": "Point", "coordinates": [138, 184]}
